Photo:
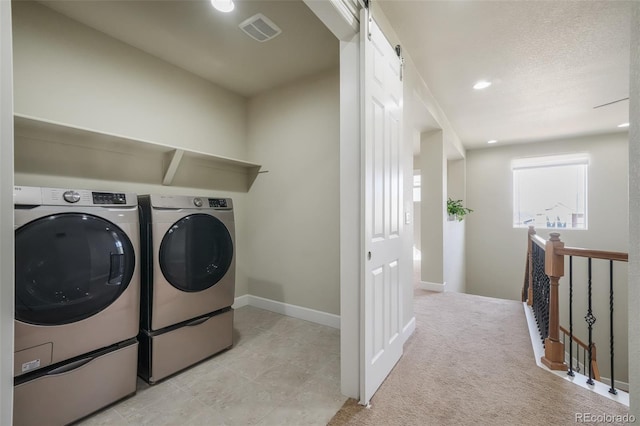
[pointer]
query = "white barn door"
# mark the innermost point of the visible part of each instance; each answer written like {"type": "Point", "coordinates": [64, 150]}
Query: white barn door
{"type": "Point", "coordinates": [381, 292]}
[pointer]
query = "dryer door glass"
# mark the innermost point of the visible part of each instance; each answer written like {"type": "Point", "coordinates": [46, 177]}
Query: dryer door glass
{"type": "Point", "coordinates": [196, 252]}
{"type": "Point", "coordinates": [69, 267]}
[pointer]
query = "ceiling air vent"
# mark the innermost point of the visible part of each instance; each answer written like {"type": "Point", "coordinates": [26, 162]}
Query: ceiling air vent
{"type": "Point", "coordinates": [260, 28]}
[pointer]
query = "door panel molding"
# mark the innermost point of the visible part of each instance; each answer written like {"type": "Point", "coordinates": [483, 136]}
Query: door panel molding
{"type": "Point", "coordinates": [382, 206]}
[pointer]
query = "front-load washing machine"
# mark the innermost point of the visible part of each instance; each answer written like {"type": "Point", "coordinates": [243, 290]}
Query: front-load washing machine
{"type": "Point", "coordinates": [188, 281]}
{"type": "Point", "coordinates": [77, 293]}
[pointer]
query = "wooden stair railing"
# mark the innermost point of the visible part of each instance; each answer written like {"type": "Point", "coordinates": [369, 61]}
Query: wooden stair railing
{"type": "Point", "coordinates": [544, 268]}
{"type": "Point", "coordinates": [585, 350]}
{"type": "Point", "coordinates": [542, 281]}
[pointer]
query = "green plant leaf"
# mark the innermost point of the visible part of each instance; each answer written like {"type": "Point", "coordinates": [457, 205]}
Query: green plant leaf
{"type": "Point", "coordinates": [457, 209]}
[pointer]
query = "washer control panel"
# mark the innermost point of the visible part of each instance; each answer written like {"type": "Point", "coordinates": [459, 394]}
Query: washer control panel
{"type": "Point", "coordinates": [31, 195]}
{"type": "Point", "coordinates": [218, 203]}
{"type": "Point", "coordinates": [109, 198]}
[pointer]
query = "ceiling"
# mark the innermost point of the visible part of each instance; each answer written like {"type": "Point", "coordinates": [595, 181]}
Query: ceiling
{"type": "Point", "coordinates": [550, 62]}
{"type": "Point", "coordinates": [194, 36]}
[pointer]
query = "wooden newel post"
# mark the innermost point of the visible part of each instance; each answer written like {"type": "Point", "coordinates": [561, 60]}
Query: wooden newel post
{"type": "Point", "coordinates": [554, 268]}
{"type": "Point", "coordinates": [532, 232]}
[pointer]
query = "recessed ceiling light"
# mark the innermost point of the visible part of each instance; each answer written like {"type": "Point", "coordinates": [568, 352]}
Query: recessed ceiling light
{"type": "Point", "coordinates": [223, 5]}
{"type": "Point", "coordinates": [482, 85]}
{"type": "Point", "coordinates": [623, 125]}
{"type": "Point", "coordinates": [492, 141]}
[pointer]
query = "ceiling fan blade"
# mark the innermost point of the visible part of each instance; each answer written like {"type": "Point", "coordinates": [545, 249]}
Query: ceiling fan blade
{"type": "Point", "coordinates": [610, 103]}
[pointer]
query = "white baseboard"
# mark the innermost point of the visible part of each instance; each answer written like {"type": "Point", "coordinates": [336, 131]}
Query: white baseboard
{"type": "Point", "coordinates": [240, 301]}
{"type": "Point", "coordinates": [408, 330]}
{"type": "Point", "coordinates": [425, 285]}
{"type": "Point", "coordinates": [307, 314]}
{"type": "Point", "coordinates": [620, 385]}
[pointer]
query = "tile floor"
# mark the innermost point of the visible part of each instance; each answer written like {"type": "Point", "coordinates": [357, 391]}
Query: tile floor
{"type": "Point", "coordinates": [280, 371]}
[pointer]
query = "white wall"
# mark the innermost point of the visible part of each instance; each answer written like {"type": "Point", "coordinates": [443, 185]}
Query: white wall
{"type": "Point", "coordinates": [456, 179]}
{"type": "Point", "coordinates": [294, 209]}
{"type": "Point", "coordinates": [454, 256]}
{"type": "Point", "coordinates": [433, 168]}
{"type": "Point", "coordinates": [417, 241]}
{"type": "Point", "coordinates": [416, 120]}
{"type": "Point", "coordinates": [350, 217]}
{"type": "Point", "coordinates": [6, 217]}
{"type": "Point", "coordinates": [496, 251]}
{"type": "Point", "coordinates": [634, 216]}
{"type": "Point", "coordinates": [112, 87]}
{"type": "Point", "coordinates": [454, 231]}
{"type": "Point", "coordinates": [442, 240]}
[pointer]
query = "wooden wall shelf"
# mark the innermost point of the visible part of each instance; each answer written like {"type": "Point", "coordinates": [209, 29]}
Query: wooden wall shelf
{"type": "Point", "coordinates": [49, 148]}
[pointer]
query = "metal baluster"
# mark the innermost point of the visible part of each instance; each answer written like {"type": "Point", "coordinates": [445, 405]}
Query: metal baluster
{"type": "Point", "coordinates": [534, 274]}
{"type": "Point", "coordinates": [546, 309]}
{"type": "Point", "coordinates": [577, 358]}
{"type": "Point", "coordinates": [540, 296]}
{"type": "Point", "coordinates": [536, 280]}
{"type": "Point", "coordinates": [570, 372]}
{"type": "Point", "coordinates": [612, 389]}
{"type": "Point", "coordinates": [590, 319]}
{"type": "Point", "coordinates": [541, 292]}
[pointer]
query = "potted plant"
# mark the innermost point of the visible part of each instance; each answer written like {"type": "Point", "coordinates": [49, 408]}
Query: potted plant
{"type": "Point", "coordinates": [456, 210]}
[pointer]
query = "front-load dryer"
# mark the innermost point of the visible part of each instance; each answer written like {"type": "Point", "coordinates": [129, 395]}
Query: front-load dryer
{"type": "Point", "coordinates": [77, 300]}
{"type": "Point", "coordinates": [188, 281]}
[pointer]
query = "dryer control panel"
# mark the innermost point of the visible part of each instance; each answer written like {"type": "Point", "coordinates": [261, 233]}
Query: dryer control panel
{"type": "Point", "coordinates": [218, 203]}
{"type": "Point", "coordinates": [109, 198]}
{"type": "Point", "coordinates": [188, 202]}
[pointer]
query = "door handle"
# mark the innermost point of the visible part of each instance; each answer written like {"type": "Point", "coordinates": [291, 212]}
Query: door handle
{"type": "Point", "coordinates": [116, 269]}
{"type": "Point", "coordinates": [369, 256]}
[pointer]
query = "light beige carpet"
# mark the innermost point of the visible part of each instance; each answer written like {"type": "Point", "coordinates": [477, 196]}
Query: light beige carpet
{"type": "Point", "coordinates": [470, 362]}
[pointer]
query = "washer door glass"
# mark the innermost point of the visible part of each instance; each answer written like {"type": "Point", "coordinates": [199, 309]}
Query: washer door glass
{"type": "Point", "coordinates": [69, 267]}
{"type": "Point", "coordinates": [196, 252]}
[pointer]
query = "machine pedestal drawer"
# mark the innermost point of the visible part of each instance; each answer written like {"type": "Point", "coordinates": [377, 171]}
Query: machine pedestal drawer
{"type": "Point", "coordinates": [76, 389]}
{"type": "Point", "coordinates": [169, 352]}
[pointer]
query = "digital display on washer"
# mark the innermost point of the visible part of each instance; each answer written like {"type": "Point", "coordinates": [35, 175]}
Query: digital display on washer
{"type": "Point", "coordinates": [109, 198]}
{"type": "Point", "coordinates": [217, 202]}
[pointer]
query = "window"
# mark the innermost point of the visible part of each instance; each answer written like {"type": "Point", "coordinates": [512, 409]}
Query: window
{"type": "Point", "coordinates": [550, 192]}
{"type": "Point", "coordinates": [416, 186]}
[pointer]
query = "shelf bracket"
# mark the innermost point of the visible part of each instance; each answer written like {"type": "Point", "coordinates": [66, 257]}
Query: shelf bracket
{"type": "Point", "coordinates": [170, 173]}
